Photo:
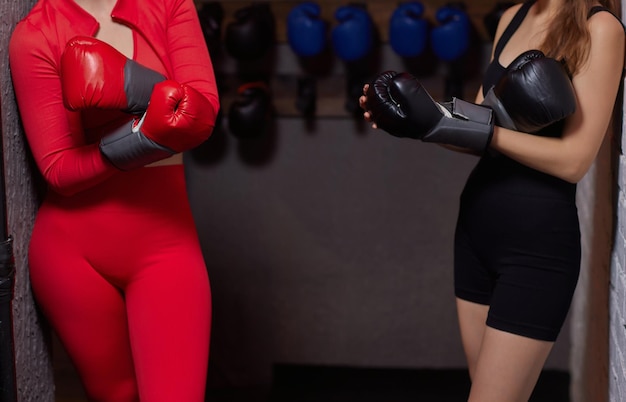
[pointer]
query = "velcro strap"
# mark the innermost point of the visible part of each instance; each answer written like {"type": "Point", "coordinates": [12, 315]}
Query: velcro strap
{"type": "Point", "coordinates": [127, 148]}
{"type": "Point", "coordinates": [138, 84]}
{"type": "Point", "coordinates": [471, 111]}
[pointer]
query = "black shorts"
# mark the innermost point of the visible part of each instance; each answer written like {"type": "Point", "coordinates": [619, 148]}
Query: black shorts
{"type": "Point", "coordinates": [517, 249]}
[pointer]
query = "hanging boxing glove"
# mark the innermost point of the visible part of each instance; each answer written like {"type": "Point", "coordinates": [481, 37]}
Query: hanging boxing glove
{"type": "Point", "coordinates": [450, 40]}
{"type": "Point", "coordinates": [306, 30]}
{"type": "Point", "coordinates": [408, 29]}
{"type": "Point", "coordinates": [306, 98]}
{"type": "Point", "coordinates": [211, 15]}
{"type": "Point", "coordinates": [307, 37]}
{"type": "Point", "coordinates": [352, 37]}
{"type": "Point", "coordinates": [250, 113]}
{"type": "Point", "coordinates": [252, 34]}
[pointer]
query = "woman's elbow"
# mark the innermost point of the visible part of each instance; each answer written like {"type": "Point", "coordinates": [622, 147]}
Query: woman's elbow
{"type": "Point", "coordinates": [59, 183]}
{"type": "Point", "coordinates": [574, 172]}
{"type": "Point", "coordinates": [213, 108]}
{"type": "Point", "coordinates": [63, 189]}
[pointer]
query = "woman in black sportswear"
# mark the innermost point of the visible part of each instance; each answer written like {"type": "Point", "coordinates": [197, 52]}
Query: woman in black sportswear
{"type": "Point", "coordinates": [517, 241]}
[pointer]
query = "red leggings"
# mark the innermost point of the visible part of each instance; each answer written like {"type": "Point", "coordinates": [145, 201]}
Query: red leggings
{"type": "Point", "coordinates": [118, 271]}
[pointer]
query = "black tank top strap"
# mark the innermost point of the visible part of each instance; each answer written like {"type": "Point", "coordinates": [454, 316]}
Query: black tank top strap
{"type": "Point", "coordinates": [512, 27]}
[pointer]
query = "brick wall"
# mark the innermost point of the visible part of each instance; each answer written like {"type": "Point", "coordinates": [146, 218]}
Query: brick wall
{"type": "Point", "coordinates": [617, 289]}
{"type": "Point", "coordinates": [589, 319]}
{"type": "Point", "coordinates": [598, 316]}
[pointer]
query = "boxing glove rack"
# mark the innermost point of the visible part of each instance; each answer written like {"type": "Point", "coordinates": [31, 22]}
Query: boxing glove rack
{"type": "Point", "coordinates": [333, 93]}
{"type": "Point", "coordinates": [380, 11]}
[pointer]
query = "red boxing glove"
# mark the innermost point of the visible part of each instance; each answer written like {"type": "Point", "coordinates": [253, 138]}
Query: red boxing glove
{"type": "Point", "coordinates": [96, 75]}
{"type": "Point", "coordinates": [178, 119]}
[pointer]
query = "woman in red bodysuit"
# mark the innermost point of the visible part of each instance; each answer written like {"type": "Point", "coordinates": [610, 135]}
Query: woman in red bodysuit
{"type": "Point", "coordinates": [115, 261]}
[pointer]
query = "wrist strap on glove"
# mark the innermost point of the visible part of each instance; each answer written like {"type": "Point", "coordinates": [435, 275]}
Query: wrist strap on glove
{"type": "Point", "coordinates": [471, 126]}
{"type": "Point", "coordinates": [138, 84]}
{"type": "Point", "coordinates": [501, 116]}
{"type": "Point", "coordinates": [127, 148]}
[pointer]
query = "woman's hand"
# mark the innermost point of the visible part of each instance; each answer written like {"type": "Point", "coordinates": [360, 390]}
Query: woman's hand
{"type": "Point", "coordinates": [363, 104]}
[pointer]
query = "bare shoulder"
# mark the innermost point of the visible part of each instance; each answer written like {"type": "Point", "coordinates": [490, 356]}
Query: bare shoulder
{"type": "Point", "coordinates": [608, 40]}
{"type": "Point", "coordinates": [605, 62]}
{"type": "Point", "coordinates": [605, 26]}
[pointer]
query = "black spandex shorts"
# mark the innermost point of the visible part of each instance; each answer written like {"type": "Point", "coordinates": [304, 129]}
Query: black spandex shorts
{"type": "Point", "coordinates": [517, 248]}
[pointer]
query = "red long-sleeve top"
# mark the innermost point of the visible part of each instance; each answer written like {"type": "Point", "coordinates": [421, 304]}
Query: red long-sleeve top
{"type": "Point", "coordinates": [168, 38]}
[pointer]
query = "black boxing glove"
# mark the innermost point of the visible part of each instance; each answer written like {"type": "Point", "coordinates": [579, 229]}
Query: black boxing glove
{"type": "Point", "coordinates": [400, 105]}
{"type": "Point", "coordinates": [534, 92]}
{"type": "Point", "coordinates": [251, 35]}
{"type": "Point", "coordinates": [211, 15]}
{"type": "Point", "coordinates": [250, 112]}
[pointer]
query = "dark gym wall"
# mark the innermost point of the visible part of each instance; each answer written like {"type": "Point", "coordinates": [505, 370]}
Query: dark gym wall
{"type": "Point", "coordinates": [335, 252]}
{"type": "Point", "coordinates": [330, 244]}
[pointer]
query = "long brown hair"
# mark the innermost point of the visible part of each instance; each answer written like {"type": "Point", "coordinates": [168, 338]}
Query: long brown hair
{"type": "Point", "coordinates": [568, 37]}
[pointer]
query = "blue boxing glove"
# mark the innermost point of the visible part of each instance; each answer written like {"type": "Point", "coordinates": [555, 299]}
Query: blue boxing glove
{"type": "Point", "coordinates": [306, 31]}
{"type": "Point", "coordinates": [408, 30]}
{"type": "Point", "coordinates": [450, 40]}
{"type": "Point", "coordinates": [353, 36]}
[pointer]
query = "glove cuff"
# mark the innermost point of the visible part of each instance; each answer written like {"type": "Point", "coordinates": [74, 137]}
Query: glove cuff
{"type": "Point", "coordinates": [127, 148]}
{"type": "Point", "coordinates": [138, 84]}
{"type": "Point", "coordinates": [501, 116]}
{"type": "Point", "coordinates": [471, 127]}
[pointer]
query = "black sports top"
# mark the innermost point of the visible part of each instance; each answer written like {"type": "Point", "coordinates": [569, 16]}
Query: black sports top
{"type": "Point", "coordinates": [495, 70]}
